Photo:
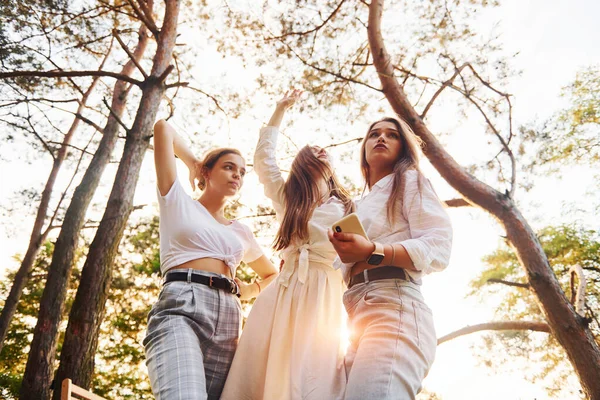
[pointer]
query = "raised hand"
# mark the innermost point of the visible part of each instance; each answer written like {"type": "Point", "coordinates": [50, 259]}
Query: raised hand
{"type": "Point", "coordinates": [289, 98]}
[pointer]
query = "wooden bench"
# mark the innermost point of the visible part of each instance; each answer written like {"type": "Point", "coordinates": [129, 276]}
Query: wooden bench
{"type": "Point", "coordinates": [71, 391]}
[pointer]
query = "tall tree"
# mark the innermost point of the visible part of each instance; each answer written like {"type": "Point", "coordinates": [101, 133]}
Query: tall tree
{"type": "Point", "coordinates": [38, 374]}
{"type": "Point", "coordinates": [32, 104]}
{"type": "Point", "coordinates": [134, 289]}
{"type": "Point", "coordinates": [567, 247]}
{"type": "Point", "coordinates": [14, 356]}
{"type": "Point", "coordinates": [81, 338]}
{"type": "Point", "coordinates": [570, 329]}
{"type": "Point", "coordinates": [38, 233]}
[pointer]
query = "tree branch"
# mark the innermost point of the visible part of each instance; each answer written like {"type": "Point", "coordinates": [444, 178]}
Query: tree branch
{"type": "Point", "coordinates": [444, 85]}
{"type": "Point", "coordinates": [578, 300]}
{"type": "Point", "coordinates": [537, 326]}
{"type": "Point", "coordinates": [73, 147]}
{"type": "Point", "coordinates": [80, 117]}
{"type": "Point", "coordinates": [65, 191]}
{"type": "Point", "coordinates": [505, 95]}
{"type": "Point", "coordinates": [131, 56]}
{"type": "Point", "coordinates": [90, 122]}
{"type": "Point", "coordinates": [68, 74]}
{"type": "Point", "coordinates": [503, 142]}
{"type": "Point", "coordinates": [357, 140]}
{"type": "Point", "coordinates": [315, 29]}
{"type": "Point", "coordinates": [187, 86]}
{"type": "Point", "coordinates": [455, 203]}
{"type": "Point", "coordinates": [146, 17]}
{"type": "Point", "coordinates": [326, 71]}
{"type": "Point", "coordinates": [271, 214]}
{"type": "Point", "coordinates": [11, 103]}
{"type": "Point", "coordinates": [509, 283]}
{"type": "Point", "coordinates": [146, 8]}
{"type": "Point", "coordinates": [37, 135]}
{"type": "Point", "coordinates": [473, 99]}
{"type": "Point", "coordinates": [115, 115]}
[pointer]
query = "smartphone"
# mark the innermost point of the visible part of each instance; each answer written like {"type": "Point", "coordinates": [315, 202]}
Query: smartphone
{"type": "Point", "coordinates": [350, 224]}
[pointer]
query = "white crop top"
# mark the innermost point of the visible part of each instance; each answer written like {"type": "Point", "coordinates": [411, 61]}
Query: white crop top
{"type": "Point", "coordinates": [188, 232]}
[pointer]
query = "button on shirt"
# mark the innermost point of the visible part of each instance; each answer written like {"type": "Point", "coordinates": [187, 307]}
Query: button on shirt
{"type": "Point", "coordinates": [421, 225]}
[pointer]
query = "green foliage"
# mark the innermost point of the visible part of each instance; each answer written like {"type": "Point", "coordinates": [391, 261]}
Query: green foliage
{"type": "Point", "coordinates": [565, 246]}
{"type": "Point", "coordinates": [120, 370]}
{"type": "Point", "coordinates": [572, 136]}
{"type": "Point", "coordinates": [16, 346]}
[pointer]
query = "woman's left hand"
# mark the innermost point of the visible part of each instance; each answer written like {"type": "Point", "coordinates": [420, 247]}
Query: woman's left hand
{"type": "Point", "coordinates": [351, 247]}
{"type": "Point", "coordinates": [247, 292]}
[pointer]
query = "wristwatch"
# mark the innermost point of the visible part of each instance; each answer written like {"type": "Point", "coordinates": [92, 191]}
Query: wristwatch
{"type": "Point", "coordinates": [377, 255]}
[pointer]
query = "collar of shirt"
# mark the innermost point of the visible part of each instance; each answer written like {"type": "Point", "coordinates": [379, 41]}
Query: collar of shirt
{"type": "Point", "coordinates": [332, 199]}
{"type": "Point", "coordinates": [380, 184]}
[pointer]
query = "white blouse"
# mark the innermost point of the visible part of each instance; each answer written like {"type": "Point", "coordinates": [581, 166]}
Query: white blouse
{"type": "Point", "coordinates": [421, 226]}
{"type": "Point", "coordinates": [317, 248]}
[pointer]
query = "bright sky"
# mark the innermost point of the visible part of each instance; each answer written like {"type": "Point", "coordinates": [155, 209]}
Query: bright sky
{"type": "Point", "coordinates": [554, 39]}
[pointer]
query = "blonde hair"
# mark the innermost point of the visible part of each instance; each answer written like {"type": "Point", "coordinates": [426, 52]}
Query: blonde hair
{"type": "Point", "coordinates": [209, 161]}
{"type": "Point", "coordinates": [408, 158]}
{"type": "Point", "coordinates": [301, 196]}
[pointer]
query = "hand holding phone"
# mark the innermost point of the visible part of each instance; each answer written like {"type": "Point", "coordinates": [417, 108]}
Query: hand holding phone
{"type": "Point", "coordinates": [350, 224]}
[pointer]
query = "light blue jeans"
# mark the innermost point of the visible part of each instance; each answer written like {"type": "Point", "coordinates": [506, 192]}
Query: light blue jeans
{"type": "Point", "coordinates": [393, 340]}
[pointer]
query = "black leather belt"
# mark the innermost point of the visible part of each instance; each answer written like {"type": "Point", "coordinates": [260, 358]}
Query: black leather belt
{"type": "Point", "coordinates": [212, 281]}
{"type": "Point", "coordinates": [379, 273]}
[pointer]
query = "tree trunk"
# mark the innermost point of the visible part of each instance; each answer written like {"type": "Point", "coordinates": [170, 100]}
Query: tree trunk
{"type": "Point", "coordinates": [40, 363]}
{"type": "Point", "coordinates": [566, 325]}
{"type": "Point", "coordinates": [87, 312]}
{"type": "Point", "coordinates": [37, 234]}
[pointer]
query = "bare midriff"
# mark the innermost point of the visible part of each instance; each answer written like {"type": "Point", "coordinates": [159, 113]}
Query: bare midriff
{"type": "Point", "coordinates": [206, 264]}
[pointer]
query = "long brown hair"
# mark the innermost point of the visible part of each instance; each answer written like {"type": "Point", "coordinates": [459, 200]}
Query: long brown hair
{"type": "Point", "coordinates": [210, 159]}
{"type": "Point", "coordinates": [408, 158]}
{"type": "Point", "coordinates": [301, 196]}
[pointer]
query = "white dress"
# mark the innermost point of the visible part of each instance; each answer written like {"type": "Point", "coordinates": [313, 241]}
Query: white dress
{"type": "Point", "coordinates": [291, 346]}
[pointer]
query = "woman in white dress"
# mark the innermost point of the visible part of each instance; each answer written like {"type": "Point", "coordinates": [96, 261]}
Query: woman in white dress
{"type": "Point", "coordinates": [291, 346]}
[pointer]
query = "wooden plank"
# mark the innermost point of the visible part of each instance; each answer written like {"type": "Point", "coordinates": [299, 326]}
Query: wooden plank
{"type": "Point", "coordinates": [76, 390]}
{"type": "Point", "coordinates": [65, 392]}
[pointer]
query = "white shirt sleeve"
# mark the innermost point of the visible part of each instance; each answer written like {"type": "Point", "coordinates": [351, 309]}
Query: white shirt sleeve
{"type": "Point", "coordinates": [252, 250]}
{"type": "Point", "coordinates": [174, 194]}
{"type": "Point", "coordinates": [267, 170]}
{"type": "Point", "coordinates": [430, 228]}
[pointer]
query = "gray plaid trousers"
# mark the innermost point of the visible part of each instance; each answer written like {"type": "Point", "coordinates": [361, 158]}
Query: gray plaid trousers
{"type": "Point", "coordinates": [192, 335]}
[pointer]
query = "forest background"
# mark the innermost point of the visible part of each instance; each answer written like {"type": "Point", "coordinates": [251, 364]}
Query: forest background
{"type": "Point", "coordinates": [505, 94]}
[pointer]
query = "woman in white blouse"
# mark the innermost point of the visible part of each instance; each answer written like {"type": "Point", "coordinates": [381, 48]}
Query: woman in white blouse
{"type": "Point", "coordinates": [393, 339]}
{"type": "Point", "coordinates": [291, 346]}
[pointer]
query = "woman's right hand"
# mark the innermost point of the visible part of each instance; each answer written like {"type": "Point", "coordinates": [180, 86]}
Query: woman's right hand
{"type": "Point", "coordinates": [195, 173]}
{"type": "Point", "coordinates": [289, 98]}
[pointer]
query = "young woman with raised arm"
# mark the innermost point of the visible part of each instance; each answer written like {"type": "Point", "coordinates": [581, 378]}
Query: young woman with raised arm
{"type": "Point", "coordinates": [291, 347]}
{"type": "Point", "coordinates": [193, 328]}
